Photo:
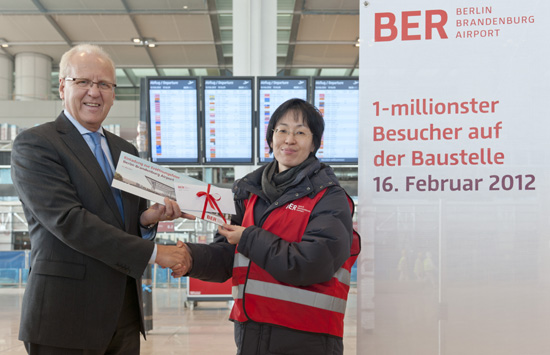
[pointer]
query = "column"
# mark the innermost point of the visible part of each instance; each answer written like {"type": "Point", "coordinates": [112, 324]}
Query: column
{"type": "Point", "coordinates": [254, 45]}
{"type": "Point", "coordinates": [254, 37]}
{"type": "Point", "coordinates": [6, 77]}
{"type": "Point", "coordinates": [32, 76]}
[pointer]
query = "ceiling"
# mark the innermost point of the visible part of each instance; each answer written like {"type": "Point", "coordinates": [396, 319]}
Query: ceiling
{"type": "Point", "coordinates": [191, 37]}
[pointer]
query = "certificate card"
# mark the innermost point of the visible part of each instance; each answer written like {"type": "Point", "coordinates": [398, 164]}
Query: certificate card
{"type": "Point", "coordinates": [154, 182]}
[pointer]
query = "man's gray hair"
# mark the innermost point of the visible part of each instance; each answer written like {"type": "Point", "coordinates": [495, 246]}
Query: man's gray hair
{"type": "Point", "coordinates": [65, 63]}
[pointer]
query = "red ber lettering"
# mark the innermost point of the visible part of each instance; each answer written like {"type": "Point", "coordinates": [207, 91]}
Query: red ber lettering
{"type": "Point", "coordinates": [386, 30]}
{"type": "Point", "coordinates": [406, 25]}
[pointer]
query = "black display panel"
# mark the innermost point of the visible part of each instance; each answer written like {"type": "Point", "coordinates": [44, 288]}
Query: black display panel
{"type": "Point", "coordinates": [271, 93]}
{"type": "Point", "coordinates": [173, 120]}
{"type": "Point", "coordinates": [338, 101]}
{"type": "Point", "coordinates": [228, 111]}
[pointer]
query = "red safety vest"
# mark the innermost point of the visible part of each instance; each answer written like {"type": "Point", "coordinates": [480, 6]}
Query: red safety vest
{"type": "Point", "coordinates": [317, 308]}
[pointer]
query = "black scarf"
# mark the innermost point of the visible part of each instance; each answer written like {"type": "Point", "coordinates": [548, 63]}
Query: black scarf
{"type": "Point", "coordinates": [274, 184]}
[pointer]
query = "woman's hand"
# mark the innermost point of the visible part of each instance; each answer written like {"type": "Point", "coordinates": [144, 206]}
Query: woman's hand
{"type": "Point", "coordinates": [231, 232]}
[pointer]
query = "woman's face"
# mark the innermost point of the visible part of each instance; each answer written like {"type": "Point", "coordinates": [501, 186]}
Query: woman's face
{"type": "Point", "coordinates": [292, 141]}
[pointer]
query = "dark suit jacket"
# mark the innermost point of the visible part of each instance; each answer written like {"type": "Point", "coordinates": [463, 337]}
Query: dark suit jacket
{"type": "Point", "coordinates": [81, 253]}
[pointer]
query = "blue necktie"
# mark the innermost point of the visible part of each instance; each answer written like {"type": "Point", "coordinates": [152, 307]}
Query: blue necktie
{"type": "Point", "coordinates": [104, 164]}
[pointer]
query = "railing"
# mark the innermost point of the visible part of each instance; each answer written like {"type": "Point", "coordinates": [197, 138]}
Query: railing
{"type": "Point", "coordinates": [162, 278]}
{"type": "Point", "coordinates": [14, 272]}
{"type": "Point", "coordinates": [14, 268]}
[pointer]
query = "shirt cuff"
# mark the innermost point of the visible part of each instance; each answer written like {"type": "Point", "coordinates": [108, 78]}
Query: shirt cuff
{"type": "Point", "coordinates": [153, 256]}
{"type": "Point", "coordinates": [148, 233]}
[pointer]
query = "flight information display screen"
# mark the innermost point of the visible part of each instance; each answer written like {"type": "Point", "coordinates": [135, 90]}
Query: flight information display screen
{"type": "Point", "coordinates": [272, 92]}
{"type": "Point", "coordinates": [173, 120]}
{"type": "Point", "coordinates": [228, 120]}
{"type": "Point", "coordinates": [338, 101]}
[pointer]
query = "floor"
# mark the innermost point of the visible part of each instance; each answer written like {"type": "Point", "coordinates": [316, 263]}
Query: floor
{"type": "Point", "coordinates": [177, 329]}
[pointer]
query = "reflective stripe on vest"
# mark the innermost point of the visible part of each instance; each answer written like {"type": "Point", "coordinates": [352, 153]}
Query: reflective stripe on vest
{"type": "Point", "coordinates": [342, 275]}
{"type": "Point", "coordinates": [296, 295]}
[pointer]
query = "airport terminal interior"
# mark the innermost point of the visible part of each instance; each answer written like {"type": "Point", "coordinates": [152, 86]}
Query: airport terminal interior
{"type": "Point", "coordinates": [461, 271]}
{"type": "Point", "coordinates": [309, 40]}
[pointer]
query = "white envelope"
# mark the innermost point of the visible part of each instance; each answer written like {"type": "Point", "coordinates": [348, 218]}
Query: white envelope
{"type": "Point", "coordinates": [193, 200]}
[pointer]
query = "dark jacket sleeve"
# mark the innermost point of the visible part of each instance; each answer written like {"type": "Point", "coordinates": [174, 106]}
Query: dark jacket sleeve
{"type": "Point", "coordinates": [324, 247]}
{"type": "Point", "coordinates": [214, 262]}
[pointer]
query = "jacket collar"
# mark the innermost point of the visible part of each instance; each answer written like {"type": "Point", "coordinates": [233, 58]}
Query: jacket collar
{"type": "Point", "coordinates": [318, 178]}
{"type": "Point", "coordinates": [74, 141]}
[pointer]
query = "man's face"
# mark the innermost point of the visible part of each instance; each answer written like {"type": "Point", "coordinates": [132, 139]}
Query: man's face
{"type": "Point", "coordinates": [88, 105]}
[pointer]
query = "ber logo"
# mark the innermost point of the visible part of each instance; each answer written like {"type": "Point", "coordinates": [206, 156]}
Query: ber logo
{"type": "Point", "coordinates": [296, 208]}
{"type": "Point", "coordinates": [387, 27]}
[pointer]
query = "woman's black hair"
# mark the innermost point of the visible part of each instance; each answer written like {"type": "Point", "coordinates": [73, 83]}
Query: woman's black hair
{"type": "Point", "coordinates": [310, 114]}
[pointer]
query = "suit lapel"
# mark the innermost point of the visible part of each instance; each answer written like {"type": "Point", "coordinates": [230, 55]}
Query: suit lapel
{"type": "Point", "coordinates": [75, 142]}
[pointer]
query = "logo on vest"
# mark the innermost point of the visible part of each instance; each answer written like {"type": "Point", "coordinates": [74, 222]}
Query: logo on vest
{"type": "Point", "coordinates": [296, 208]}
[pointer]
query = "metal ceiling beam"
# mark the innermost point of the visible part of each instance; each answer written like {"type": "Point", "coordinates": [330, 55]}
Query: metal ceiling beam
{"type": "Point", "coordinates": [332, 43]}
{"type": "Point", "coordinates": [134, 80]}
{"type": "Point", "coordinates": [355, 65]}
{"type": "Point", "coordinates": [212, 66]}
{"type": "Point", "coordinates": [114, 12]}
{"type": "Point", "coordinates": [217, 35]}
{"type": "Point", "coordinates": [323, 12]}
{"type": "Point", "coordinates": [52, 22]}
{"type": "Point", "coordinates": [296, 17]}
{"type": "Point", "coordinates": [110, 43]}
{"type": "Point", "coordinates": [169, 66]}
{"type": "Point", "coordinates": [167, 12]}
{"type": "Point", "coordinates": [178, 43]}
{"type": "Point", "coordinates": [125, 4]}
{"type": "Point", "coordinates": [314, 66]}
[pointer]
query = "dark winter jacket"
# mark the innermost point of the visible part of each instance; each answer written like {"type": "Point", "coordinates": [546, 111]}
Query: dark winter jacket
{"type": "Point", "coordinates": [323, 249]}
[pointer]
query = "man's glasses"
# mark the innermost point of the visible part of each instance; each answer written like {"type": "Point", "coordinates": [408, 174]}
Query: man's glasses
{"type": "Point", "coordinates": [87, 83]}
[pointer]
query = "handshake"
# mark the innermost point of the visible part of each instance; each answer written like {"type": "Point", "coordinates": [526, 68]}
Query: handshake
{"type": "Point", "coordinates": [178, 258]}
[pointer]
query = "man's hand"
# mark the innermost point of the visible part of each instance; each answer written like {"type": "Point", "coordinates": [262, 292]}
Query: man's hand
{"type": "Point", "coordinates": [178, 258]}
{"type": "Point", "coordinates": [157, 212]}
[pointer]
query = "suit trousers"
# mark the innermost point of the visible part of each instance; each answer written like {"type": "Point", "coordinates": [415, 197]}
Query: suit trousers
{"type": "Point", "coordinates": [125, 341]}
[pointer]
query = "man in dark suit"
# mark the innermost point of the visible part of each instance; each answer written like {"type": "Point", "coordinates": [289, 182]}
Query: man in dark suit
{"type": "Point", "coordinates": [89, 243]}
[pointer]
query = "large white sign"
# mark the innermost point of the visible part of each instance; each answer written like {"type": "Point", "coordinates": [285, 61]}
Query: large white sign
{"type": "Point", "coordinates": [453, 177]}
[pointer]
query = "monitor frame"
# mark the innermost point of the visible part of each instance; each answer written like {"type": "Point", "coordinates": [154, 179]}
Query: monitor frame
{"type": "Point", "coordinates": [348, 160]}
{"type": "Point", "coordinates": [205, 150]}
{"type": "Point", "coordinates": [151, 144]}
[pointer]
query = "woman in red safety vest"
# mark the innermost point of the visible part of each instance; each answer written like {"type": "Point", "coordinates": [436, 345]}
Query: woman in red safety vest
{"type": "Point", "coordinates": [289, 248]}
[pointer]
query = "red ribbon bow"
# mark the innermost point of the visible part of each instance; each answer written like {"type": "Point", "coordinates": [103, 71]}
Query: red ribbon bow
{"type": "Point", "coordinates": [210, 200]}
